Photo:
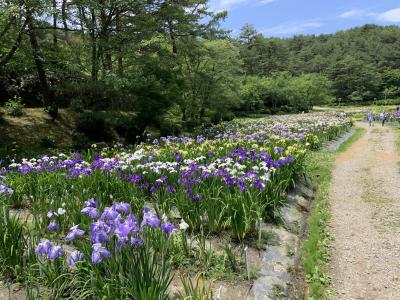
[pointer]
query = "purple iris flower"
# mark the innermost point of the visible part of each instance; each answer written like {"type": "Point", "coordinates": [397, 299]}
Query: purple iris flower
{"type": "Point", "coordinates": [43, 247]}
{"type": "Point", "coordinates": [109, 214]}
{"type": "Point", "coordinates": [53, 226]}
{"type": "Point", "coordinates": [99, 253]}
{"type": "Point", "coordinates": [167, 227]}
{"type": "Point", "coordinates": [92, 203]}
{"type": "Point", "coordinates": [178, 156]}
{"type": "Point", "coordinates": [258, 184]}
{"type": "Point", "coordinates": [99, 232]}
{"type": "Point", "coordinates": [76, 256]}
{"type": "Point", "coordinates": [197, 198]}
{"type": "Point", "coordinates": [135, 178]}
{"type": "Point", "coordinates": [278, 150]}
{"type": "Point", "coordinates": [122, 207]}
{"type": "Point", "coordinates": [91, 212]}
{"type": "Point", "coordinates": [136, 241]}
{"type": "Point", "coordinates": [74, 233]}
{"type": "Point", "coordinates": [123, 230]}
{"type": "Point", "coordinates": [144, 185]}
{"type": "Point", "coordinates": [55, 252]}
{"type": "Point", "coordinates": [50, 214]}
{"type": "Point", "coordinates": [153, 189]}
{"type": "Point", "coordinates": [150, 219]}
{"type": "Point", "coordinates": [5, 190]}
{"type": "Point", "coordinates": [170, 189]}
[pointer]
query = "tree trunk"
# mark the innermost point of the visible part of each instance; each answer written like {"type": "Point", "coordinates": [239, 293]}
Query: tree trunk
{"type": "Point", "coordinates": [14, 48]}
{"type": "Point", "coordinates": [94, 47]}
{"type": "Point", "coordinates": [64, 18]}
{"type": "Point", "coordinates": [173, 39]}
{"type": "Point", "coordinates": [120, 59]}
{"type": "Point", "coordinates": [48, 100]}
{"type": "Point", "coordinates": [55, 22]}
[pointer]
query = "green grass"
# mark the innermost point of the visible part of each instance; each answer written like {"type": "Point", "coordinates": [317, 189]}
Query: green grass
{"type": "Point", "coordinates": [356, 135]}
{"type": "Point", "coordinates": [316, 249]}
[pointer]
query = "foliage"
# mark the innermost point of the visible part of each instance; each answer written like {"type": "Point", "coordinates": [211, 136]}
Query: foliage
{"type": "Point", "coordinates": [362, 63]}
{"type": "Point", "coordinates": [14, 107]}
{"type": "Point", "coordinates": [94, 127]}
{"type": "Point", "coordinates": [12, 244]}
{"type": "Point", "coordinates": [282, 91]}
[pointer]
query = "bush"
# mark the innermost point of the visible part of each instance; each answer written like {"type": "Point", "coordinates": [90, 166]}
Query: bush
{"type": "Point", "coordinates": [80, 141]}
{"type": "Point", "coordinates": [47, 142]}
{"type": "Point", "coordinates": [171, 121]}
{"type": "Point", "coordinates": [2, 121]}
{"type": "Point", "coordinates": [127, 129]}
{"type": "Point", "coordinates": [94, 127]}
{"type": "Point", "coordinates": [14, 106]}
{"type": "Point", "coordinates": [77, 105]}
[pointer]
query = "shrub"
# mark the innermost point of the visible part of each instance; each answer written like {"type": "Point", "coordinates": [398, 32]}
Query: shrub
{"type": "Point", "coordinates": [80, 141]}
{"type": "Point", "coordinates": [126, 127]}
{"type": "Point", "coordinates": [47, 142]}
{"type": "Point", "coordinates": [14, 106]}
{"type": "Point", "coordinates": [77, 105]}
{"type": "Point", "coordinates": [2, 117]}
{"type": "Point", "coordinates": [171, 121]}
{"type": "Point", "coordinates": [94, 127]}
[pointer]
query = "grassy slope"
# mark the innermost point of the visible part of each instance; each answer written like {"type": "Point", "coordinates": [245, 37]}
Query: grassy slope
{"type": "Point", "coordinates": [29, 129]}
{"type": "Point", "coordinates": [316, 248]}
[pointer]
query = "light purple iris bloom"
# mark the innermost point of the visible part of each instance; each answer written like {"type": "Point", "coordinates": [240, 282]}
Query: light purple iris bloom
{"type": "Point", "coordinates": [91, 212]}
{"type": "Point", "coordinates": [99, 232]}
{"type": "Point", "coordinates": [43, 247]}
{"type": "Point", "coordinates": [122, 207]}
{"type": "Point", "coordinates": [197, 198]}
{"type": "Point", "coordinates": [74, 233]}
{"type": "Point", "coordinates": [136, 241]}
{"type": "Point", "coordinates": [53, 226]}
{"type": "Point", "coordinates": [55, 252]}
{"type": "Point", "coordinates": [167, 227]}
{"type": "Point", "coordinates": [92, 203]}
{"type": "Point", "coordinates": [76, 256]}
{"type": "Point", "coordinates": [99, 253]}
{"type": "Point", "coordinates": [150, 219]}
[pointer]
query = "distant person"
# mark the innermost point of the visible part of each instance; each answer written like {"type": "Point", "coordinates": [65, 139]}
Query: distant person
{"type": "Point", "coordinates": [383, 118]}
{"type": "Point", "coordinates": [371, 119]}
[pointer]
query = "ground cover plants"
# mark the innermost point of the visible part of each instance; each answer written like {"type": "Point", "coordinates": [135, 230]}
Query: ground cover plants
{"type": "Point", "coordinates": [122, 222]}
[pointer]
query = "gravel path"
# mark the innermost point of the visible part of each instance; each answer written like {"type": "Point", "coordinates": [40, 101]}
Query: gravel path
{"type": "Point", "coordinates": [365, 204]}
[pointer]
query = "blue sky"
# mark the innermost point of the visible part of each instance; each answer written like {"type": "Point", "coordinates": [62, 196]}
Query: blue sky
{"type": "Point", "coordinates": [284, 18]}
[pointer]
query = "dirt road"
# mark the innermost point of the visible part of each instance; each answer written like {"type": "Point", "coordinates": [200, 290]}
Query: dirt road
{"type": "Point", "coordinates": [365, 204]}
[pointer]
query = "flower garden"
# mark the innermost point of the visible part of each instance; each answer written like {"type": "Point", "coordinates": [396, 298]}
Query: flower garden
{"type": "Point", "coordinates": [123, 222]}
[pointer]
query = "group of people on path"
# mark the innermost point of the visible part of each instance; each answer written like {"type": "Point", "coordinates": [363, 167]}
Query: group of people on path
{"type": "Point", "coordinates": [382, 116]}
{"type": "Point", "coordinates": [371, 118]}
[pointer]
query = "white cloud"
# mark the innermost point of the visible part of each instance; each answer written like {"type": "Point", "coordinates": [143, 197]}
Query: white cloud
{"type": "Point", "coordinates": [262, 2]}
{"type": "Point", "coordinates": [356, 14]}
{"type": "Point", "coordinates": [291, 28]}
{"type": "Point", "coordinates": [392, 15]}
{"type": "Point", "coordinates": [218, 5]}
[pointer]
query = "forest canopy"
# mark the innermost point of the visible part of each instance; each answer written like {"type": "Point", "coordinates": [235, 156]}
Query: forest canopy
{"type": "Point", "coordinates": [170, 64]}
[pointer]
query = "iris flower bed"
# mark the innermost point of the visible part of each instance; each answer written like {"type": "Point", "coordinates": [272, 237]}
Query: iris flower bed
{"type": "Point", "coordinates": [120, 222]}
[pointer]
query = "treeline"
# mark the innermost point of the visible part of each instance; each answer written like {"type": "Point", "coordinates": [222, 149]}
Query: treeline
{"type": "Point", "coordinates": [169, 64]}
{"type": "Point", "coordinates": [361, 64]}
